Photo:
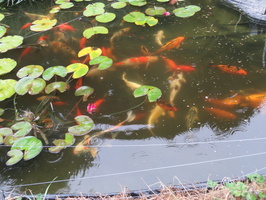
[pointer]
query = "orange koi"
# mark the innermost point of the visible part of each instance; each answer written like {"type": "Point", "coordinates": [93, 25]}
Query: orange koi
{"type": "Point", "coordinates": [175, 43]}
{"type": "Point", "coordinates": [171, 65]}
{"type": "Point", "coordinates": [82, 42]}
{"type": "Point", "coordinates": [230, 69]}
{"type": "Point", "coordinates": [65, 27]}
{"type": "Point", "coordinates": [26, 51]}
{"type": "Point", "coordinates": [59, 103]}
{"type": "Point", "coordinates": [255, 100]}
{"type": "Point", "coordinates": [136, 61]}
{"type": "Point", "coordinates": [93, 107]}
{"type": "Point", "coordinates": [165, 105]}
{"type": "Point", "coordinates": [222, 103]}
{"type": "Point", "coordinates": [220, 114]}
{"type": "Point", "coordinates": [79, 83]}
{"type": "Point", "coordinates": [26, 25]}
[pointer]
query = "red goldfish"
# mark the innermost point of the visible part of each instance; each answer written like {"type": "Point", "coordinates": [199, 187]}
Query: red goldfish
{"type": "Point", "coordinates": [92, 107]}
{"type": "Point", "coordinates": [220, 114]}
{"type": "Point", "coordinates": [171, 65]}
{"type": "Point", "coordinates": [166, 106]}
{"type": "Point", "coordinates": [136, 61]}
{"type": "Point", "coordinates": [175, 43]}
{"type": "Point", "coordinates": [108, 52]}
{"type": "Point", "coordinates": [26, 25]}
{"type": "Point", "coordinates": [82, 42]}
{"type": "Point", "coordinates": [79, 83]}
{"type": "Point", "coordinates": [26, 51]}
{"type": "Point", "coordinates": [59, 103]}
{"type": "Point", "coordinates": [78, 112]}
{"type": "Point", "coordinates": [230, 69]}
{"type": "Point", "coordinates": [65, 27]}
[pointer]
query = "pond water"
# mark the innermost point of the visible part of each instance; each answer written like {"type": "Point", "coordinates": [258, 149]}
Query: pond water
{"type": "Point", "coordinates": [218, 141]}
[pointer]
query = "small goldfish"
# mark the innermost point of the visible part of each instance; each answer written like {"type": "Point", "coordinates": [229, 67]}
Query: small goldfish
{"type": "Point", "coordinates": [26, 51]}
{"type": "Point", "coordinates": [220, 114]}
{"type": "Point", "coordinates": [118, 34]}
{"type": "Point", "coordinates": [26, 25]}
{"type": "Point", "coordinates": [175, 43]}
{"type": "Point", "coordinates": [230, 69]}
{"type": "Point", "coordinates": [136, 61]}
{"type": "Point", "coordinates": [166, 105]}
{"type": "Point", "coordinates": [130, 84]}
{"type": "Point", "coordinates": [82, 42]}
{"type": "Point", "coordinates": [59, 103]}
{"type": "Point", "coordinates": [79, 83]}
{"type": "Point", "coordinates": [65, 27]}
{"type": "Point", "coordinates": [92, 107]}
{"type": "Point", "coordinates": [78, 111]}
{"type": "Point", "coordinates": [158, 37]}
{"type": "Point", "coordinates": [171, 65]}
{"type": "Point", "coordinates": [192, 117]}
{"type": "Point", "coordinates": [175, 82]}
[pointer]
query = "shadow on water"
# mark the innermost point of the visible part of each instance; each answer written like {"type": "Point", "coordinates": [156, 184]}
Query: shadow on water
{"type": "Point", "coordinates": [214, 36]}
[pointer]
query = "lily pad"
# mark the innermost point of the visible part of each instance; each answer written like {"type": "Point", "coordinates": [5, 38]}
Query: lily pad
{"type": "Point", "coordinates": [94, 9]}
{"type": "Point", "coordinates": [85, 124]}
{"type": "Point", "coordinates": [16, 155]}
{"type": "Point", "coordinates": [61, 1]}
{"type": "Point", "coordinates": [93, 52]}
{"type": "Point", "coordinates": [7, 65]}
{"type": "Point", "coordinates": [89, 32]}
{"type": "Point", "coordinates": [43, 24]}
{"type": "Point", "coordinates": [79, 69]}
{"type": "Point", "coordinates": [187, 11]}
{"type": "Point", "coordinates": [137, 2]}
{"type": "Point", "coordinates": [103, 61]}
{"type": "Point", "coordinates": [155, 11]}
{"type": "Point", "coordinates": [133, 16]}
{"type": "Point", "coordinates": [152, 92]}
{"type": "Point", "coordinates": [31, 146]}
{"type": "Point", "coordinates": [60, 144]}
{"type": "Point", "coordinates": [60, 86]}
{"type": "Point", "coordinates": [66, 5]}
{"type": "Point", "coordinates": [105, 17]}
{"type": "Point", "coordinates": [163, 0]}
{"type": "Point", "coordinates": [69, 139]}
{"type": "Point", "coordinates": [2, 31]}
{"type": "Point", "coordinates": [10, 42]}
{"type": "Point", "coordinates": [33, 71]}
{"type": "Point", "coordinates": [10, 139]}
{"type": "Point", "coordinates": [2, 16]}
{"type": "Point", "coordinates": [151, 21]}
{"type": "Point", "coordinates": [5, 132]}
{"type": "Point", "coordinates": [30, 85]}
{"type": "Point", "coordinates": [55, 9]}
{"type": "Point", "coordinates": [23, 128]}
{"type": "Point", "coordinates": [84, 91]}
{"type": "Point", "coordinates": [118, 5]}
{"type": "Point", "coordinates": [7, 88]}
{"type": "Point", "coordinates": [52, 71]}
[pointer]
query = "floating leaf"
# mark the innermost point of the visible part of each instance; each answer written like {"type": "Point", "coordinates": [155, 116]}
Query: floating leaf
{"type": "Point", "coordinates": [137, 2]}
{"type": "Point", "coordinates": [43, 24]}
{"type": "Point", "coordinates": [55, 9]}
{"type": "Point", "coordinates": [84, 91]}
{"type": "Point", "coordinates": [2, 16]}
{"type": "Point", "coordinates": [163, 0]}
{"type": "Point", "coordinates": [60, 86]}
{"type": "Point", "coordinates": [7, 65]}
{"type": "Point", "coordinates": [31, 146]}
{"type": "Point", "coordinates": [89, 32]}
{"type": "Point", "coordinates": [10, 139]}
{"type": "Point", "coordinates": [94, 9]}
{"type": "Point", "coordinates": [7, 88]}
{"type": "Point", "coordinates": [16, 155]}
{"type": "Point", "coordinates": [187, 11]}
{"type": "Point", "coordinates": [103, 61]}
{"type": "Point", "coordinates": [133, 16]}
{"type": "Point", "coordinates": [10, 42]}
{"type": "Point", "coordinates": [22, 128]}
{"type": "Point", "coordinates": [66, 5]}
{"type": "Point", "coordinates": [59, 145]}
{"type": "Point", "coordinates": [152, 92]}
{"type": "Point", "coordinates": [118, 5]}
{"type": "Point", "coordinates": [151, 21]}
{"type": "Point", "coordinates": [85, 124]}
{"type": "Point", "coordinates": [93, 52]}
{"type": "Point", "coordinates": [2, 31]}
{"type": "Point", "coordinates": [61, 1]}
{"type": "Point", "coordinates": [30, 85]}
{"type": "Point", "coordinates": [105, 17]}
{"type": "Point", "coordinates": [155, 11]}
{"type": "Point", "coordinates": [79, 69]}
{"type": "Point", "coordinates": [69, 139]}
{"type": "Point", "coordinates": [52, 71]}
{"type": "Point", "coordinates": [5, 132]}
{"type": "Point", "coordinates": [33, 71]}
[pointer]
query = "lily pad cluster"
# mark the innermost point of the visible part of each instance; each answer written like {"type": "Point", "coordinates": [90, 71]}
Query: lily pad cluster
{"type": "Point", "coordinates": [152, 92]}
{"type": "Point", "coordinates": [140, 18]}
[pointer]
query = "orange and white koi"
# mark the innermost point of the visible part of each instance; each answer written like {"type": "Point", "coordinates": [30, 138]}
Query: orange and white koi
{"type": "Point", "coordinates": [175, 82]}
{"type": "Point", "coordinates": [175, 43]}
{"type": "Point", "coordinates": [136, 61]}
{"type": "Point", "coordinates": [230, 69]}
{"type": "Point", "coordinates": [130, 84]}
{"type": "Point", "coordinates": [158, 37]}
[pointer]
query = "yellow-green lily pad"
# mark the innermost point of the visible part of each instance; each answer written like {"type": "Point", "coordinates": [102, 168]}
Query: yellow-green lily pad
{"type": "Point", "coordinates": [94, 9]}
{"type": "Point", "coordinates": [2, 31]}
{"type": "Point", "coordinates": [52, 71]}
{"type": "Point", "coordinates": [137, 2]}
{"type": "Point", "coordinates": [152, 92]}
{"type": "Point", "coordinates": [10, 139]}
{"type": "Point", "coordinates": [85, 124]}
{"type": "Point", "coordinates": [60, 86]}
{"type": "Point", "coordinates": [33, 71]}
{"type": "Point", "coordinates": [92, 51]}
{"type": "Point", "coordinates": [155, 11]}
{"type": "Point", "coordinates": [16, 155]}
{"type": "Point", "coordinates": [187, 11]}
{"type": "Point", "coordinates": [5, 132]}
{"type": "Point", "coordinates": [89, 32]}
{"type": "Point", "coordinates": [2, 111]}
{"type": "Point", "coordinates": [84, 91]}
{"type": "Point", "coordinates": [43, 24]}
{"type": "Point", "coordinates": [79, 69]}
{"type": "Point", "coordinates": [118, 5]}
{"type": "Point", "coordinates": [105, 17]}
{"type": "Point", "coordinates": [134, 16]}
{"type": "Point", "coordinates": [7, 65]}
{"type": "Point", "coordinates": [61, 144]}
{"type": "Point", "coordinates": [30, 85]}
{"type": "Point", "coordinates": [103, 61]}
{"type": "Point", "coordinates": [66, 5]}
{"type": "Point", "coordinates": [7, 88]}
{"type": "Point", "coordinates": [2, 16]}
{"type": "Point", "coordinates": [23, 128]}
{"type": "Point", "coordinates": [151, 21]}
{"type": "Point", "coordinates": [55, 9]}
{"type": "Point", "coordinates": [10, 42]}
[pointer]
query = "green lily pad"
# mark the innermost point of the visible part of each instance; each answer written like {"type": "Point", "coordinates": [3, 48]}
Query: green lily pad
{"type": "Point", "coordinates": [5, 132]}
{"type": "Point", "coordinates": [55, 9]}
{"type": "Point", "coordinates": [23, 128]}
{"type": "Point", "coordinates": [60, 144]}
{"type": "Point", "coordinates": [60, 86]}
{"type": "Point", "coordinates": [7, 65]}
{"type": "Point", "coordinates": [2, 111]}
{"type": "Point", "coordinates": [118, 5]}
{"type": "Point", "coordinates": [103, 61]}
{"type": "Point", "coordinates": [137, 2]}
{"type": "Point", "coordinates": [89, 32]}
{"type": "Point", "coordinates": [151, 21]}
{"type": "Point", "coordinates": [10, 139]}
{"type": "Point", "coordinates": [79, 69]}
{"type": "Point", "coordinates": [60, 1]}
{"type": "Point", "coordinates": [30, 85]}
{"type": "Point", "coordinates": [10, 42]}
{"type": "Point", "coordinates": [43, 24]}
{"type": "Point", "coordinates": [16, 155]}
{"type": "Point", "coordinates": [84, 91]}
{"type": "Point", "coordinates": [163, 0]}
{"type": "Point", "coordinates": [33, 71]}
{"type": "Point", "coordinates": [94, 9]}
{"type": "Point", "coordinates": [2, 31]}
{"type": "Point", "coordinates": [85, 124]}
{"type": "Point", "coordinates": [105, 17]}
{"type": "Point", "coordinates": [155, 11]}
{"type": "Point", "coordinates": [7, 88]}
{"type": "Point", "coordinates": [93, 52]}
{"type": "Point", "coordinates": [69, 139]}
{"type": "Point", "coordinates": [187, 11]}
{"type": "Point", "coordinates": [66, 5]}
{"type": "Point", "coordinates": [133, 16]}
{"type": "Point", "coordinates": [52, 71]}
{"type": "Point", "coordinates": [31, 146]}
{"type": "Point", "coordinates": [152, 92]}
{"type": "Point", "coordinates": [2, 16]}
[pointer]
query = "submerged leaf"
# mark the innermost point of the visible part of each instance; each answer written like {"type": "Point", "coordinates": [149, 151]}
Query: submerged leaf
{"type": "Point", "coordinates": [85, 124]}
{"type": "Point", "coordinates": [60, 86]}
{"type": "Point", "coordinates": [7, 65]}
{"type": "Point", "coordinates": [52, 71]}
{"type": "Point", "coordinates": [79, 69]}
{"type": "Point", "coordinates": [33, 71]}
{"type": "Point", "coordinates": [7, 88]}
{"type": "Point", "coordinates": [84, 91]}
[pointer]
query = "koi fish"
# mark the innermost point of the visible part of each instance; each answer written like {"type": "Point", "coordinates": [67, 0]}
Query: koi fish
{"type": "Point", "coordinates": [136, 61]}
{"type": "Point", "coordinates": [118, 34]}
{"type": "Point", "coordinates": [25, 52]}
{"type": "Point", "coordinates": [220, 114]}
{"type": "Point", "coordinates": [158, 37]}
{"type": "Point", "coordinates": [59, 103]}
{"type": "Point", "coordinates": [166, 105]}
{"type": "Point", "coordinates": [79, 83]}
{"type": "Point", "coordinates": [108, 52]}
{"type": "Point", "coordinates": [255, 100]}
{"type": "Point", "coordinates": [83, 147]}
{"type": "Point", "coordinates": [171, 65]}
{"type": "Point", "coordinates": [192, 117]}
{"type": "Point", "coordinates": [175, 81]}
{"type": "Point", "coordinates": [175, 43]}
{"type": "Point", "coordinates": [92, 107]}
{"type": "Point", "coordinates": [130, 84]}
{"type": "Point", "coordinates": [65, 27]}
{"type": "Point", "coordinates": [156, 113]}
{"type": "Point", "coordinates": [230, 69]}
{"type": "Point", "coordinates": [82, 43]}
{"type": "Point", "coordinates": [26, 25]}
{"type": "Point", "coordinates": [34, 16]}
